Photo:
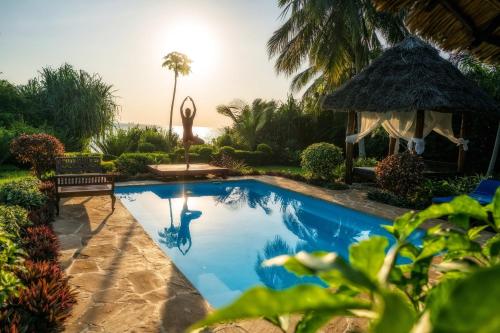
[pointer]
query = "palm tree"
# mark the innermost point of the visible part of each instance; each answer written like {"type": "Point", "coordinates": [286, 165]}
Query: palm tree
{"type": "Point", "coordinates": [337, 38]}
{"type": "Point", "coordinates": [248, 119]}
{"type": "Point", "coordinates": [180, 64]}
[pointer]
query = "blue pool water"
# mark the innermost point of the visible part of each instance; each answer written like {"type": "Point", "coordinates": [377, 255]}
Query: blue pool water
{"type": "Point", "coordinates": [218, 233]}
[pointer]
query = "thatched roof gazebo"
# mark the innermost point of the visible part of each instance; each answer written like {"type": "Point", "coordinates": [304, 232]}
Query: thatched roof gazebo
{"type": "Point", "coordinates": [409, 90]}
{"type": "Point", "coordinates": [456, 25]}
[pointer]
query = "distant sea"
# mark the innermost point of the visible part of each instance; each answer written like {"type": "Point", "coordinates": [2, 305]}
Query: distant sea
{"type": "Point", "coordinates": [206, 133]}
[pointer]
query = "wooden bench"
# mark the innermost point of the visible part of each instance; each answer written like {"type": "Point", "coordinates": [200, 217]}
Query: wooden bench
{"type": "Point", "coordinates": [82, 176]}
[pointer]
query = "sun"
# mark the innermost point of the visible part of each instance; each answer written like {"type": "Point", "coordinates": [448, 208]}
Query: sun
{"type": "Point", "coordinates": [196, 41]}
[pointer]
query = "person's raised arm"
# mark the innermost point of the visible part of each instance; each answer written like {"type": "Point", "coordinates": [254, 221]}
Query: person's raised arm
{"type": "Point", "coordinates": [183, 116]}
{"type": "Point", "coordinates": [194, 107]}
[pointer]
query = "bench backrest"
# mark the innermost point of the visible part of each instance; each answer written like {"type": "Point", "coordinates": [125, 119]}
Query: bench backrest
{"type": "Point", "coordinates": [77, 165]}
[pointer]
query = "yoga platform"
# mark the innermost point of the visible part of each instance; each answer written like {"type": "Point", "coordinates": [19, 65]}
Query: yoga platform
{"type": "Point", "coordinates": [196, 169]}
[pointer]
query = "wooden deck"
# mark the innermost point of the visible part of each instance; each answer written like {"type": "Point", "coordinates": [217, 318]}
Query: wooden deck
{"type": "Point", "coordinates": [178, 170]}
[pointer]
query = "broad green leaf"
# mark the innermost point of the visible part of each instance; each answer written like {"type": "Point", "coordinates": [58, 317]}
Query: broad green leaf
{"type": "Point", "coordinates": [438, 296]}
{"type": "Point", "coordinates": [404, 225]}
{"type": "Point", "coordinates": [264, 302]}
{"type": "Point", "coordinates": [432, 247]}
{"type": "Point", "coordinates": [312, 321]}
{"type": "Point", "coordinates": [472, 305]}
{"type": "Point", "coordinates": [460, 220]}
{"type": "Point", "coordinates": [368, 255]}
{"type": "Point", "coordinates": [327, 266]}
{"type": "Point", "coordinates": [474, 232]}
{"type": "Point", "coordinates": [396, 314]}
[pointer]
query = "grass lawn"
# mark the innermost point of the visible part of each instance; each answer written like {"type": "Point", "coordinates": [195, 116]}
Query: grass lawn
{"type": "Point", "coordinates": [9, 172]}
{"type": "Point", "coordinates": [280, 168]}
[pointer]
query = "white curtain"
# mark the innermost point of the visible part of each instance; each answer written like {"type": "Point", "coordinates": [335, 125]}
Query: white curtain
{"type": "Point", "coordinates": [401, 125]}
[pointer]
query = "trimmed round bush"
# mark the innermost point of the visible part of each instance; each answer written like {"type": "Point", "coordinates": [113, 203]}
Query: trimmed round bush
{"type": "Point", "coordinates": [37, 150]}
{"type": "Point", "coordinates": [400, 174]}
{"type": "Point", "coordinates": [146, 147]}
{"type": "Point", "coordinates": [321, 159]}
{"type": "Point", "coordinates": [264, 148]}
{"type": "Point", "coordinates": [13, 220]}
{"type": "Point", "coordinates": [226, 150]}
{"type": "Point", "coordinates": [131, 164]}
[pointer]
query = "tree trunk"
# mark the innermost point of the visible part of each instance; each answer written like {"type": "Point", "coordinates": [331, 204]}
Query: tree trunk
{"type": "Point", "coordinates": [172, 110]}
{"type": "Point", "coordinates": [361, 143]}
{"type": "Point", "coordinates": [461, 151]}
{"type": "Point", "coordinates": [494, 155]}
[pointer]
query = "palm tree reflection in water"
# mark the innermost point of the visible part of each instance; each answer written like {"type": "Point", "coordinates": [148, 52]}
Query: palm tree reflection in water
{"type": "Point", "coordinates": [180, 236]}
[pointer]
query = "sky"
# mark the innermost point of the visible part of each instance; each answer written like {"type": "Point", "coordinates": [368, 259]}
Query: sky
{"type": "Point", "coordinates": [124, 42]}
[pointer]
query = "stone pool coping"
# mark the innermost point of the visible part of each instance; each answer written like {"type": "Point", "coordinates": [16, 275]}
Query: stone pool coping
{"type": "Point", "coordinates": [126, 283]}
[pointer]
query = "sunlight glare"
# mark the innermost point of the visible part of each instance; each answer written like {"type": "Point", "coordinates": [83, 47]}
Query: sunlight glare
{"type": "Point", "coordinates": [196, 41]}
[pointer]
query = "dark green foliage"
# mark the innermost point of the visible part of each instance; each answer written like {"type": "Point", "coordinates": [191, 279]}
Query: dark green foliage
{"type": "Point", "coordinates": [400, 174]}
{"type": "Point", "coordinates": [40, 243]}
{"type": "Point", "coordinates": [23, 192]}
{"type": "Point", "coordinates": [108, 166]}
{"type": "Point", "coordinates": [44, 303]}
{"type": "Point", "coordinates": [76, 104]}
{"type": "Point", "coordinates": [11, 258]}
{"type": "Point", "coordinates": [226, 150]}
{"type": "Point", "coordinates": [266, 149]}
{"type": "Point", "coordinates": [13, 221]}
{"type": "Point", "coordinates": [131, 164]}
{"type": "Point", "coordinates": [146, 147]}
{"type": "Point", "coordinates": [37, 150]}
{"type": "Point", "coordinates": [321, 159]}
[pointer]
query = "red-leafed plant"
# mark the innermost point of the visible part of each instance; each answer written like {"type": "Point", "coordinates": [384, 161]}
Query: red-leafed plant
{"type": "Point", "coordinates": [40, 243]}
{"type": "Point", "coordinates": [44, 303]}
{"type": "Point", "coordinates": [400, 174]}
{"type": "Point", "coordinates": [38, 150]}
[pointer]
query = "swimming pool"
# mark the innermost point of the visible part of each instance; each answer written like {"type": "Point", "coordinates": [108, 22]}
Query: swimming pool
{"type": "Point", "coordinates": [218, 233]}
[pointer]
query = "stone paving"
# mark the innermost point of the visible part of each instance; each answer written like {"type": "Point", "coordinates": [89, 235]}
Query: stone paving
{"type": "Point", "coordinates": [126, 283]}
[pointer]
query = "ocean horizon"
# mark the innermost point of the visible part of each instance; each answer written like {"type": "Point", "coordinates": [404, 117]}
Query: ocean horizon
{"type": "Point", "coordinates": [204, 132]}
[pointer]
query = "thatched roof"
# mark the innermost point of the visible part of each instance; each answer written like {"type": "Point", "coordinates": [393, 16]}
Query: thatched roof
{"type": "Point", "coordinates": [408, 77]}
{"type": "Point", "coordinates": [470, 25]}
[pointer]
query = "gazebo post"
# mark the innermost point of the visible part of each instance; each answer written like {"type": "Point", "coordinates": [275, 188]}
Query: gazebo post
{"type": "Point", "coordinates": [392, 145]}
{"type": "Point", "coordinates": [461, 151]}
{"type": "Point", "coordinates": [419, 126]}
{"type": "Point", "coordinates": [349, 148]}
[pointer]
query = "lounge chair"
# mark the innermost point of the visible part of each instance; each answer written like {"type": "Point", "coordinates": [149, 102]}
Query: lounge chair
{"type": "Point", "coordinates": [483, 193]}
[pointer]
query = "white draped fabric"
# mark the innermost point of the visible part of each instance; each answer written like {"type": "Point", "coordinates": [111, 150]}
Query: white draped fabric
{"type": "Point", "coordinates": [401, 125]}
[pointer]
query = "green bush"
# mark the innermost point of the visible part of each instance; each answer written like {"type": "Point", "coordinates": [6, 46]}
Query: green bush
{"type": "Point", "coordinates": [131, 164]}
{"type": "Point", "coordinates": [23, 192]}
{"type": "Point", "coordinates": [339, 172]}
{"type": "Point", "coordinates": [253, 158]}
{"type": "Point", "coordinates": [321, 159]}
{"type": "Point", "coordinates": [400, 174]}
{"type": "Point", "coordinates": [108, 166]}
{"type": "Point", "coordinates": [6, 137]}
{"type": "Point", "coordinates": [11, 259]}
{"type": "Point", "coordinates": [146, 147]}
{"type": "Point", "coordinates": [227, 150]}
{"type": "Point", "coordinates": [264, 148]}
{"type": "Point", "coordinates": [13, 220]}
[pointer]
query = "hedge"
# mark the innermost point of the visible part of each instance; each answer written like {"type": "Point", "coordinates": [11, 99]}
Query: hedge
{"type": "Point", "coordinates": [130, 164]}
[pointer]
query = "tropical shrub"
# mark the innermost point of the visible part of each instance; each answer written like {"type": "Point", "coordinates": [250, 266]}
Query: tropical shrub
{"type": "Point", "coordinates": [146, 147]}
{"type": "Point", "coordinates": [394, 296]}
{"type": "Point", "coordinates": [400, 174]}
{"type": "Point", "coordinates": [6, 137]}
{"type": "Point", "coordinates": [77, 105]}
{"type": "Point", "coordinates": [131, 164]}
{"type": "Point", "coordinates": [11, 259]}
{"type": "Point", "coordinates": [37, 150]}
{"type": "Point", "coordinates": [23, 192]}
{"type": "Point", "coordinates": [114, 143]}
{"type": "Point", "coordinates": [321, 159]}
{"type": "Point", "coordinates": [264, 148]}
{"type": "Point", "coordinates": [44, 303]}
{"type": "Point", "coordinates": [226, 150]}
{"type": "Point", "coordinates": [40, 243]}
{"type": "Point", "coordinates": [13, 220]}
{"type": "Point", "coordinates": [108, 166]}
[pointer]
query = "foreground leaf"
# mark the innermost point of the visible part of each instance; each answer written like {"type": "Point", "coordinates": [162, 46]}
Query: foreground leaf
{"type": "Point", "coordinates": [471, 306]}
{"type": "Point", "coordinates": [396, 315]}
{"type": "Point", "coordinates": [264, 302]}
{"type": "Point", "coordinates": [368, 255]}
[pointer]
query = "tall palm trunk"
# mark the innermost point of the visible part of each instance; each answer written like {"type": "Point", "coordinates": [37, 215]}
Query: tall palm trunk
{"type": "Point", "coordinates": [359, 66]}
{"type": "Point", "coordinates": [172, 110]}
